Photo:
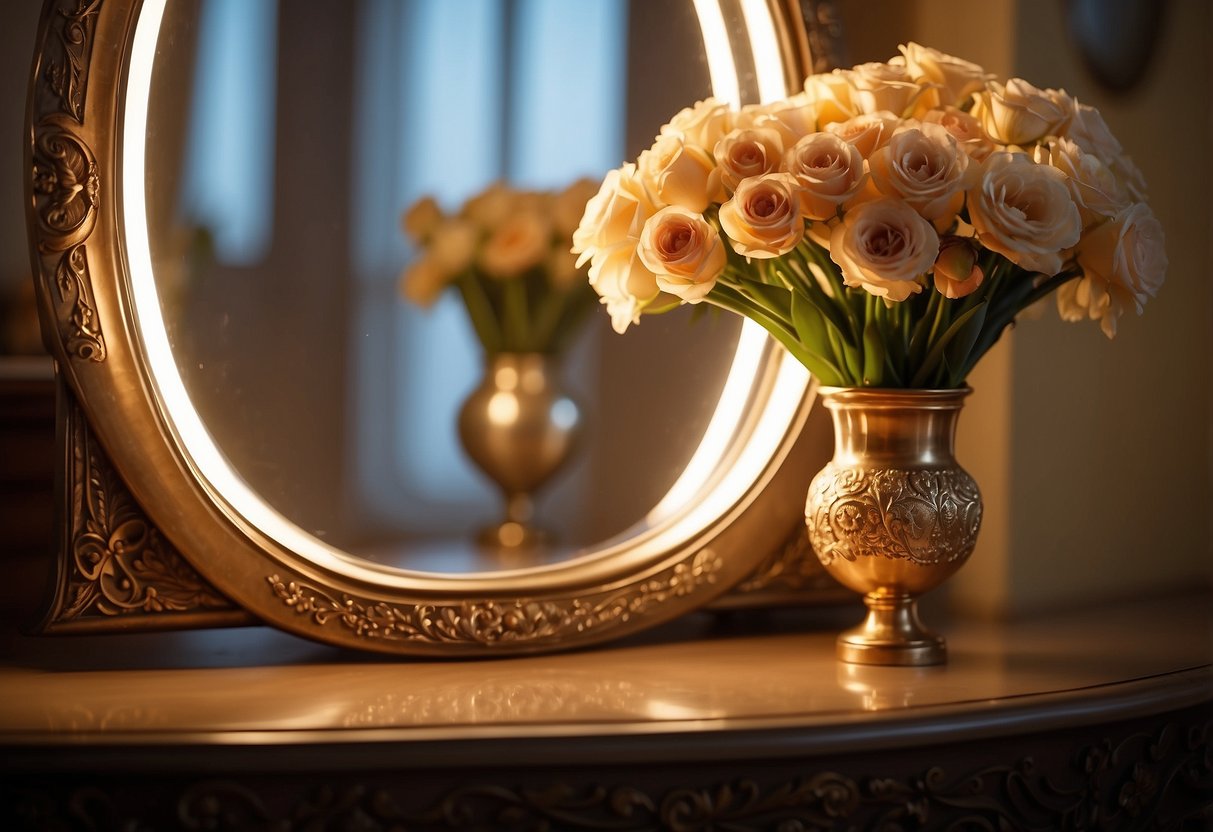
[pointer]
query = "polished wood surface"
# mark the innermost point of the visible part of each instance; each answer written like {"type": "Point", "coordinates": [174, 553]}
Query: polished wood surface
{"type": "Point", "coordinates": [708, 675]}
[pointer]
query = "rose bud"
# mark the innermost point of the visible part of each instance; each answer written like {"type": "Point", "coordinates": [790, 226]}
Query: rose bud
{"type": "Point", "coordinates": [956, 271]}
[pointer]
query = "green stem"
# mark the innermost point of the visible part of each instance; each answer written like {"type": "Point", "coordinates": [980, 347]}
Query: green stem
{"type": "Point", "coordinates": [480, 313]}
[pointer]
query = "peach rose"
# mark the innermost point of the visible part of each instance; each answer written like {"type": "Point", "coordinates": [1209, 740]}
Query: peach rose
{"type": "Point", "coordinates": [965, 129]}
{"type": "Point", "coordinates": [1095, 189]}
{"type": "Point", "coordinates": [883, 247]}
{"type": "Point", "coordinates": [745, 153]}
{"type": "Point", "coordinates": [763, 217]}
{"type": "Point", "coordinates": [1124, 262]}
{"type": "Point", "coordinates": [453, 245]}
{"type": "Point", "coordinates": [684, 251]}
{"type": "Point", "coordinates": [792, 117]}
{"type": "Point", "coordinates": [678, 172]}
{"type": "Point", "coordinates": [829, 171]}
{"type": "Point", "coordinates": [1024, 211]}
{"type": "Point", "coordinates": [490, 207]}
{"type": "Point", "coordinates": [1017, 113]}
{"type": "Point", "coordinates": [521, 242]}
{"type": "Point", "coordinates": [615, 215]}
{"type": "Point", "coordinates": [868, 131]}
{"type": "Point", "coordinates": [423, 281]}
{"type": "Point", "coordinates": [830, 93]}
{"type": "Point", "coordinates": [422, 217]}
{"type": "Point", "coordinates": [951, 79]}
{"type": "Point", "coordinates": [923, 166]}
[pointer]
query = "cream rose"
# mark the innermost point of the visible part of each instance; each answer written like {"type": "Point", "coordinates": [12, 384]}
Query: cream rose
{"type": "Point", "coordinates": [684, 251]}
{"type": "Point", "coordinates": [1017, 113]}
{"type": "Point", "coordinates": [829, 171]}
{"type": "Point", "coordinates": [868, 132]}
{"type": "Point", "coordinates": [883, 247]}
{"type": "Point", "coordinates": [519, 243]}
{"type": "Point", "coordinates": [877, 86]}
{"type": "Point", "coordinates": [624, 285]}
{"type": "Point", "coordinates": [678, 172]}
{"type": "Point", "coordinates": [745, 153]}
{"type": "Point", "coordinates": [423, 282]}
{"type": "Point", "coordinates": [615, 215]}
{"type": "Point", "coordinates": [1124, 262]}
{"type": "Point", "coordinates": [421, 219]}
{"type": "Point", "coordinates": [453, 245]}
{"type": "Point", "coordinates": [965, 129]}
{"type": "Point", "coordinates": [1086, 128]}
{"type": "Point", "coordinates": [763, 217]}
{"type": "Point", "coordinates": [952, 79]}
{"type": "Point", "coordinates": [1095, 189]}
{"type": "Point", "coordinates": [1024, 211]}
{"type": "Point", "coordinates": [701, 125]}
{"type": "Point", "coordinates": [923, 165]}
{"type": "Point", "coordinates": [830, 93]}
{"type": "Point", "coordinates": [792, 117]}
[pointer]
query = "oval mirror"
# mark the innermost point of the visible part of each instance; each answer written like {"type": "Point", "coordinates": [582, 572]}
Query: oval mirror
{"type": "Point", "coordinates": [223, 293]}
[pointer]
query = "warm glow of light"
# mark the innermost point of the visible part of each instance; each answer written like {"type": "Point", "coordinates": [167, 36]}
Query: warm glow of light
{"type": "Point", "coordinates": [719, 52]}
{"type": "Point", "coordinates": [183, 419]}
{"type": "Point", "coordinates": [764, 46]}
{"type": "Point", "coordinates": [503, 408]}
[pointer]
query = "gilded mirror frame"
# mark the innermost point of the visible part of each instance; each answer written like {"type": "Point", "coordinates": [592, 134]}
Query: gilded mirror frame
{"type": "Point", "coordinates": [88, 302]}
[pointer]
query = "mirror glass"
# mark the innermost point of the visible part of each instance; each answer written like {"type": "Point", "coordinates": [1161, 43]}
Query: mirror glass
{"type": "Point", "coordinates": [284, 141]}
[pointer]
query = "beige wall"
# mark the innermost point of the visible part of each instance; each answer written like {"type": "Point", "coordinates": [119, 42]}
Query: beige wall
{"type": "Point", "coordinates": [1095, 457]}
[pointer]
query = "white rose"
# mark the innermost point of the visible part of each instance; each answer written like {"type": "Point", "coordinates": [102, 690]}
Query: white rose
{"type": "Point", "coordinates": [763, 217]}
{"type": "Point", "coordinates": [923, 165]}
{"type": "Point", "coordinates": [868, 131]}
{"type": "Point", "coordinates": [615, 215]}
{"type": "Point", "coordinates": [830, 93]}
{"type": "Point", "coordinates": [828, 169]}
{"type": "Point", "coordinates": [624, 285]}
{"type": "Point", "coordinates": [883, 247]}
{"type": "Point", "coordinates": [1095, 189]}
{"type": "Point", "coordinates": [877, 86]}
{"type": "Point", "coordinates": [953, 79]}
{"type": "Point", "coordinates": [677, 172]}
{"type": "Point", "coordinates": [453, 245]}
{"type": "Point", "coordinates": [423, 281]}
{"type": "Point", "coordinates": [1124, 262]}
{"type": "Point", "coordinates": [1024, 211]}
{"type": "Point", "coordinates": [745, 153]}
{"type": "Point", "coordinates": [1017, 113]}
{"type": "Point", "coordinates": [520, 243]}
{"type": "Point", "coordinates": [701, 125]}
{"type": "Point", "coordinates": [684, 251]}
{"type": "Point", "coordinates": [965, 129]}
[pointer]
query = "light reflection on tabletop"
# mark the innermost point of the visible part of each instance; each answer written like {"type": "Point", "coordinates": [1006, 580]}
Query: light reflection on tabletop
{"type": "Point", "coordinates": [774, 667]}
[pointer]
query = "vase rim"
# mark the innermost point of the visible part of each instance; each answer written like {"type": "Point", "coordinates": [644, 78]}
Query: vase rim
{"type": "Point", "coordinates": [878, 397]}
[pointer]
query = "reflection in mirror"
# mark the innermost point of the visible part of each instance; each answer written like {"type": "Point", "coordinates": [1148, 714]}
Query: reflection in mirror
{"type": "Point", "coordinates": [284, 141]}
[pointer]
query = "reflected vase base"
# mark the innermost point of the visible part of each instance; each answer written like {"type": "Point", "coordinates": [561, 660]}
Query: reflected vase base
{"type": "Point", "coordinates": [512, 536]}
{"type": "Point", "coordinates": [892, 635]}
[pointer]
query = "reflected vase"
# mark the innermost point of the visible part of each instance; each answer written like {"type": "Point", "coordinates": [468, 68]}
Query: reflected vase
{"type": "Point", "coordinates": [519, 427]}
{"type": "Point", "coordinates": [893, 514]}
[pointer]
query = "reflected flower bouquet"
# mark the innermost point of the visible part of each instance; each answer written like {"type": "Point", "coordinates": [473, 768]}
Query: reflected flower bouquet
{"type": "Point", "coordinates": [886, 225]}
{"type": "Point", "coordinates": [507, 253]}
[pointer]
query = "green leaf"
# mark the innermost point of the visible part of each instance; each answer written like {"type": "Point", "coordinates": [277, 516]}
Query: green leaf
{"type": "Point", "coordinates": [931, 363]}
{"type": "Point", "coordinates": [957, 353]}
{"type": "Point", "coordinates": [810, 325]}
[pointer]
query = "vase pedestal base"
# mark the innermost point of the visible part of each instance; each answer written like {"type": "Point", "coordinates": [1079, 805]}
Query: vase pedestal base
{"type": "Point", "coordinates": [892, 635]}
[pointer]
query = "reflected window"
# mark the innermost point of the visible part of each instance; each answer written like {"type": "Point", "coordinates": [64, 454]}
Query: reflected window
{"type": "Point", "coordinates": [453, 95]}
{"type": "Point", "coordinates": [229, 178]}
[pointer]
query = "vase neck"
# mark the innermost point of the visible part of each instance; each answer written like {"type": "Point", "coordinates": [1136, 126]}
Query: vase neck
{"type": "Point", "coordinates": [895, 428]}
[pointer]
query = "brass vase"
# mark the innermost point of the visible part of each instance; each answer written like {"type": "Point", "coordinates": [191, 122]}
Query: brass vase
{"type": "Point", "coordinates": [519, 427]}
{"type": "Point", "coordinates": [893, 514]}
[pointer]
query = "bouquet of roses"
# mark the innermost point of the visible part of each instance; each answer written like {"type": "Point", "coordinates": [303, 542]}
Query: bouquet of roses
{"type": "Point", "coordinates": [886, 225]}
{"type": "Point", "coordinates": [507, 253]}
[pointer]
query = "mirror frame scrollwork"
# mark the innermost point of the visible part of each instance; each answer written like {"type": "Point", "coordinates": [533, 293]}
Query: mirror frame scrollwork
{"type": "Point", "coordinates": [146, 541]}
